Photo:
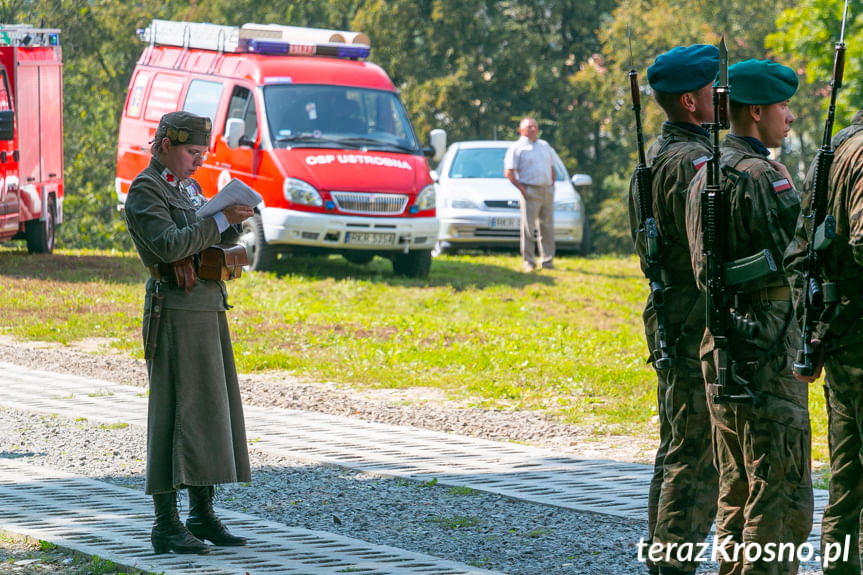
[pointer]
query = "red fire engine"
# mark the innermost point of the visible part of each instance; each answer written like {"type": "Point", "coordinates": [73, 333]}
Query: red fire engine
{"type": "Point", "coordinates": [299, 116]}
{"type": "Point", "coordinates": [31, 135]}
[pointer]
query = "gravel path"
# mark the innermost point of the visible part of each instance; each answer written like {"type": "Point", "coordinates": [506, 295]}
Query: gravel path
{"type": "Point", "coordinates": [468, 526]}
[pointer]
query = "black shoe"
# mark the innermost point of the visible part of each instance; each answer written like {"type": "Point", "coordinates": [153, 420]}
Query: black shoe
{"type": "Point", "coordinates": [204, 524]}
{"type": "Point", "coordinates": [168, 532]}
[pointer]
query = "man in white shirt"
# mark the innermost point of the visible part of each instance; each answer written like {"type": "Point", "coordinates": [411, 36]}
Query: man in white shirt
{"type": "Point", "coordinates": [529, 165]}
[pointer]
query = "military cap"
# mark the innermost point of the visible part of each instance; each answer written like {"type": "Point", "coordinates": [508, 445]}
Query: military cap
{"type": "Point", "coordinates": [184, 128]}
{"type": "Point", "coordinates": [684, 69]}
{"type": "Point", "coordinates": [761, 82]}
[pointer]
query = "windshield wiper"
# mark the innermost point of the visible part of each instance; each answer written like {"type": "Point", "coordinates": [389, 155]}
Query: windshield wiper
{"type": "Point", "coordinates": [308, 139]}
{"type": "Point", "coordinates": [374, 142]}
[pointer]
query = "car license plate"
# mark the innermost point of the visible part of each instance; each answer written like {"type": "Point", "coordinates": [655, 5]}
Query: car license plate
{"type": "Point", "coordinates": [370, 238]}
{"type": "Point", "coordinates": [506, 223]}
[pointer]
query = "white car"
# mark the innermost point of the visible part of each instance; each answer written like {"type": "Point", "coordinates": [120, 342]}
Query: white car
{"type": "Point", "coordinates": [477, 207]}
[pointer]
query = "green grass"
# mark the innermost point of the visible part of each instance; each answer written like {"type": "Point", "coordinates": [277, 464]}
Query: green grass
{"type": "Point", "coordinates": [569, 342]}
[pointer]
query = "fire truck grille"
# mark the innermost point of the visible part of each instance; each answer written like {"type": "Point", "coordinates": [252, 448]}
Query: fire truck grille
{"type": "Point", "coordinates": [375, 204]}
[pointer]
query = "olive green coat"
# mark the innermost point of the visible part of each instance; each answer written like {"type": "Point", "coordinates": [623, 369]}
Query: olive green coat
{"type": "Point", "coordinates": [196, 432]}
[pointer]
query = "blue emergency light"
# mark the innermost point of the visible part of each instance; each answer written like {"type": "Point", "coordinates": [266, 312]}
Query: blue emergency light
{"type": "Point", "coordinates": [280, 48]}
{"type": "Point", "coordinates": [53, 39]}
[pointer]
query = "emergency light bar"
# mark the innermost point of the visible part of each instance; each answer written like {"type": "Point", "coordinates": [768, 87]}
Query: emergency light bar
{"type": "Point", "coordinates": [269, 39]}
{"type": "Point", "coordinates": [277, 47]}
{"type": "Point", "coordinates": [28, 36]}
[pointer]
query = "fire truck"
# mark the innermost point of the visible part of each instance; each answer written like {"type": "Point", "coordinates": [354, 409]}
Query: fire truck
{"type": "Point", "coordinates": [31, 135]}
{"type": "Point", "coordinates": [301, 117]}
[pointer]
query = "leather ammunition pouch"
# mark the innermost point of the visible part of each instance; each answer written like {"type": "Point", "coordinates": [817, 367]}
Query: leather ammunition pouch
{"type": "Point", "coordinates": [184, 273]}
{"type": "Point", "coordinates": [222, 262]}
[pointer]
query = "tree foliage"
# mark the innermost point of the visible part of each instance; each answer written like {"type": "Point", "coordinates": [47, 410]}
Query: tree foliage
{"type": "Point", "coordinates": [472, 67]}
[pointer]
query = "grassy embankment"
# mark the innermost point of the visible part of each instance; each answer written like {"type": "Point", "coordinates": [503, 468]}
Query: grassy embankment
{"type": "Point", "coordinates": [568, 342]}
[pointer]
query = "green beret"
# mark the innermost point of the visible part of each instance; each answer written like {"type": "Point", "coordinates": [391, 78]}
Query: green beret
{"type": "Point", "coordinates": [761, 82]}
{"type": "Point", "coordinates": [684, 69]}
{"type": "Point", "coordinates": [185, 128]}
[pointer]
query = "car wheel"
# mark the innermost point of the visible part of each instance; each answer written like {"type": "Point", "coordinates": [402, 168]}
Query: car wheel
{"type": "Point", "coordinates": [40, 233]}
{"type": "Point", "coordinates": [262, 256]}
{"type": "Point", "coordinates": [415, 264]}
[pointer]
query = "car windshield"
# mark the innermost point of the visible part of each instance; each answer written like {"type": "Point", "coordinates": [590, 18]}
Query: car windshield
{"type": "Point", "coordinates": [488, 163]}
{"type": "Point", "coordinates": [337, 117]}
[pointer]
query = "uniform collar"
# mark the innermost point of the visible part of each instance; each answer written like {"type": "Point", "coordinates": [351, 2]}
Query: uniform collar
{"type": "Point", "coordinates": [698, 130]}
{"type": "Point", "coordinates": [166, 174]}
{"type": "Point", "coordinates": [757, 146]}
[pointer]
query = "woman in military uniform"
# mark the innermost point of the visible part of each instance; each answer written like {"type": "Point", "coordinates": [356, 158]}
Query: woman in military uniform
{"type": "Point", "coordinates": [195, 431]}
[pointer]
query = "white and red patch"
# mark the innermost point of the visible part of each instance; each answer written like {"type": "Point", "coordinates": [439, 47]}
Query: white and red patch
{"type": "Point", "coordinates": [781, 185]}
{"type": "Point", "coordinates": [698, 162]}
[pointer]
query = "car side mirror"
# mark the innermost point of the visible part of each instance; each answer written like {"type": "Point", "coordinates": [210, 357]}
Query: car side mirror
{"type": "Point", "coordinates": [438, 144]}
{"type": "Point", "coordinates": [7, 125]}
{"type": "Point", "coordinates": [234, 130]}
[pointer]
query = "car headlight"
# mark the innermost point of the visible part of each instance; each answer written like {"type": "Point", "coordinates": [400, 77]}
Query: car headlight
{"type": "Point", "coordinates": [426, 199]}
{"type": "Point", "coordinates": [300, 192]}
{"type": "Point", "coordinates": [462, 204]}
{"type": "Point", "coordinates": [567, 207]}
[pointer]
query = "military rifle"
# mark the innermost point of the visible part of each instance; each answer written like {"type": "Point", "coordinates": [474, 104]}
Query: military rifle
{"type": "Point", "coordinates": [653, 268]}
{"type": "Point", "coordinates": [823, 227]}
{"type": "Point", "coordinates": [722, 321]}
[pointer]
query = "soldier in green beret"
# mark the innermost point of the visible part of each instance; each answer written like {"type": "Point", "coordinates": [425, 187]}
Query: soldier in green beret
{"type": "Point", "coordinates": [840, 333]}
{"type": "Point", "coordinates": [761, 451]}
{"type": "Point", "coordinates": [682, 496]}
{"type": "Point", "coordinates": [196, 435]}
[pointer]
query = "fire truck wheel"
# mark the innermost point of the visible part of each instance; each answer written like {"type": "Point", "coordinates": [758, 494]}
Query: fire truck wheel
{"type": "Point", "coordinates": [40, 234]}
{"type": "Point", "coordinates": [262, 256]}
{"type": "Point", "coordinates": [415, 264]}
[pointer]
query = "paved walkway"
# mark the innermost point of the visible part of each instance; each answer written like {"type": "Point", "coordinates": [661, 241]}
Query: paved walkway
{"type": "Point", "coordinates": [527, 473]}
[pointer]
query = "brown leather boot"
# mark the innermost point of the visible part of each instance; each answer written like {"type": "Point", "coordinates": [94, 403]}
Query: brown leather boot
{"type": "Point", "coordinates": [202, 521]}
{"type": "Point", "coordinates": [168, 532]}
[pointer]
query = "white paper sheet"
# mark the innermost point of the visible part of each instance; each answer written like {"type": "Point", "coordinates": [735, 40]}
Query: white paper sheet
{"type": "Point", "coordinates": [234, 192]}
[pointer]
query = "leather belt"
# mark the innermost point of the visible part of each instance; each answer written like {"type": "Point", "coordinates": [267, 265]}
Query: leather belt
{"type": "Point", "coordinates": [161, 271]}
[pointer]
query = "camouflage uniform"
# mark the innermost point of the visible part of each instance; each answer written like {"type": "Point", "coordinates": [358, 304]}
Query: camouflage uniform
{"type": "Point", "coordinates": [841, 329]}
{"type": "Point", "coordinates": [761, 452]}
{"type": "Point", "coordinates": [682, 497]}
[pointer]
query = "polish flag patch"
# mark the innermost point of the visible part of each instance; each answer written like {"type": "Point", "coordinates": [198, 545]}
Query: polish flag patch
{"type": "Point", "coordinates": [781, 185]}
{"type": "Point", "coordinates": [698, 162]}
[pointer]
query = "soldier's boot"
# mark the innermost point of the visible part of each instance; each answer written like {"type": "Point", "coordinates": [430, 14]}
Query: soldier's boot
{"type": "Point", "coordinates": [202, 521]}
{"type": "Point", "coordinates": [168, 532]}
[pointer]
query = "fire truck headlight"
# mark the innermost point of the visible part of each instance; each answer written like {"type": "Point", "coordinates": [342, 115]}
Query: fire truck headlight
{"type": "Point", "coordinates": [300, 192]}
{"type": "Point", "coordinates": [426, 199]}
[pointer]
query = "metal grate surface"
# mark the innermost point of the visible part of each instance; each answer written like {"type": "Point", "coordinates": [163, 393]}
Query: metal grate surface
{"type": "Point", "coordinates": [362, 203]}
{"type": "Point", "coordinates": [517, 471]}
{"type": "Point", "coordinates": [114, 523]}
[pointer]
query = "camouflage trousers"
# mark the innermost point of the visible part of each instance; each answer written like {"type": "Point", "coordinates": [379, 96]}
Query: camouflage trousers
{"type": "Point", "coordinates": [763, 456]}
{"type": "Point", "coordinates": [842, 515]}
{"type": "Point", "coordinates": [681, 502]}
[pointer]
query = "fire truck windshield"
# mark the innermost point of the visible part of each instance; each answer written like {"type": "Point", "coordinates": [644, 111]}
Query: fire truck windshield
{"type": "Point", "coordinates": [337, 116]}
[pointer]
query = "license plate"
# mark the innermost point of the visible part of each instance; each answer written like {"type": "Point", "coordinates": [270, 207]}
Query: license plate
{"type": "Point", "coordinates": [370, 238]}
{"type": "Point", "coordinates": [508, 223]}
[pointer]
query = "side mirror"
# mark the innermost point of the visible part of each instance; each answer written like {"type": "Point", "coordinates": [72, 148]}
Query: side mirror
{"type": "Point", "coordinates": [581, 180]}
{"type": "Point", "coordinates": [234, 130]}
{"type": "Point", "coordinates": [7, 125]}
{"type": "Point", "coordinates": [438, 144]}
